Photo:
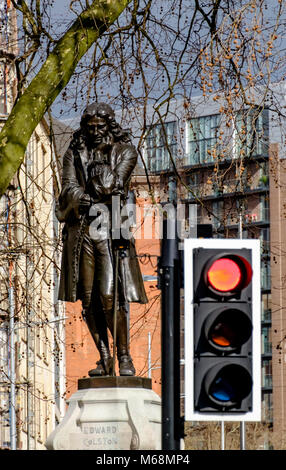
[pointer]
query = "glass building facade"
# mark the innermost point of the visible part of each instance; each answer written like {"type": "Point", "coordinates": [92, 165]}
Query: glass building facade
{"type": "Point", "coordinates": [235, 200]}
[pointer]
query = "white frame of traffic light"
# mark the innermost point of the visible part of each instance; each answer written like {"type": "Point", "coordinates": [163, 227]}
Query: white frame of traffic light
{"type": "Point", "coordinates": [222, 244]}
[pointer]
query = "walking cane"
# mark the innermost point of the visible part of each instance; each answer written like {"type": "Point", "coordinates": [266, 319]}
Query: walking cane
{"type": "Point", "coordinates": [115, 308]}
{"type": "Point", "coordinates": [119, 248]}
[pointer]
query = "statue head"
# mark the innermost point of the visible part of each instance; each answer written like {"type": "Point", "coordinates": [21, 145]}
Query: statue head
{"type": "Point", "coordinates": [101, 110]}
{"type": "Point", "coordinates": [98, 125]}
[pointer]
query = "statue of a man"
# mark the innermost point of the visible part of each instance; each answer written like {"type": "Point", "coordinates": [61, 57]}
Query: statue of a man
{"type": "Point", "coordinates": [97, 166]}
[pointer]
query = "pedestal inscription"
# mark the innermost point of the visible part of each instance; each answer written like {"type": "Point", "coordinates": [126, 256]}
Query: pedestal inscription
{"type": "Point", "coordinates": [99, 436]}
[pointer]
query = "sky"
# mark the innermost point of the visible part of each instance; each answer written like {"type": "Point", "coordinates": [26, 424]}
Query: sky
{"type": "Point", "coordinates": [62, 16]}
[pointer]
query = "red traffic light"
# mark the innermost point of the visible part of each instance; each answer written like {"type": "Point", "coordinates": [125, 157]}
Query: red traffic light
{"type": "Point", "coordinates": [224, 274]}
{"type": "Point", "coordinates": [228, 274]}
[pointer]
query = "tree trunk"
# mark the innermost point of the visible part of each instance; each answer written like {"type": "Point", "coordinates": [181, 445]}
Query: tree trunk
{"type": "Point", "coordinates": [48, 83]}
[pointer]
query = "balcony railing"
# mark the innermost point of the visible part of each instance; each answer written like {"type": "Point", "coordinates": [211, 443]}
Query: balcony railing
{"type": "Point", "coordinates": [259, 215]}
{"type": "Point", "coordinates": [230, 218]}
{"type": "Point", "coordinates": [200, 156]}
{"type": "Point", "coordinates": [235, 185]}
{"type": "Point", "coordinates": [229, 187]}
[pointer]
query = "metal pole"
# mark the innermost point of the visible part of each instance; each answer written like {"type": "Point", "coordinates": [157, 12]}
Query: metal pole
{"type": "Point", "coordinates": [242, 424]}
{"type": "Point", "coordinates": [242, 435]}
{"type": "Point", "coordinates": [12, 375]}
{"type": "Point", "coordinates": [240, 226]}
{"type": "Point", "coordinates": [167, 339]}
{"type": "Point", "coordinates": [149, 356]}
{"type": "Point", "coordinates": [27, 287]}
{"type": "Point", "coordinates": [170, 309]}
{"type": "Point", "coordinates": [13, 433]}
{"type": "Point", "coordinates": [222, 435]}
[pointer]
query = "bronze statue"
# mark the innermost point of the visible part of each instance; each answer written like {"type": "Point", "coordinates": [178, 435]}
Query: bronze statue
{"type": "Point", "coordinates": [97, 166]}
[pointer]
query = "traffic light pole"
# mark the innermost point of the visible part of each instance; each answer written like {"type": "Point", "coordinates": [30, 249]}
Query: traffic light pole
{"type": "Point", "coordinates": [170, 338]}
{"type": "Point", "coordinates": [242, 423]}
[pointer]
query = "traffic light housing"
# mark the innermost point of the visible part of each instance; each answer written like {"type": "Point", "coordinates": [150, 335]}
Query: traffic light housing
{"type": "Point", "coordinates": [222, 329]}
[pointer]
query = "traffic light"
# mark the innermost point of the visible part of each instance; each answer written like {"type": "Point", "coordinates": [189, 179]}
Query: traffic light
{"type": "Point", "coordinates": [222, 329]}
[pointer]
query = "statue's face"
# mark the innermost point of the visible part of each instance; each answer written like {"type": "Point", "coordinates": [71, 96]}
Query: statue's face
{"type": "Point", "coordinates": [96, 130]}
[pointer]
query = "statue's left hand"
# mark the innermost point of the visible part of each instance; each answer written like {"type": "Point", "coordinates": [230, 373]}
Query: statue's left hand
{"type": "Point", "coordinates": [107, 180]}
{"type": "Point", "coordinates": [102, 181]}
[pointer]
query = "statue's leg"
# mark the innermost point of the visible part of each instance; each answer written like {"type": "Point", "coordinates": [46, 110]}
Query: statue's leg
{"type": "Point", "coordinates": [93, 313]}
{"type": "Point", "coordinates": [126, 366]}
{"type": "Point", "coordinates": [104, 262]}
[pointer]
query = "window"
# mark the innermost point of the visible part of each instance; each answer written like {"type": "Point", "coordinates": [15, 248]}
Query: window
{"type": "Point", "coordinates": [203, 143]}
{"type": "Point", "coordinates": [57, 371]}
{"type": "Point", "coordinates": [267, 407]}
{"type": "Point", "coordinates": [264, 237]}
{"type": "Point", "coordinates": [44, 166]}
{"type": "Point", "coordinates": [251, 131]}
{"type": "Point", "coordinates": [265, 275]}
{"type": "Point", "coordinates": [5, 22]}
{"type": "Point", "coordinates": [172, 189]}
{"type": "Point", "coordinates": [264, 211]}
{"type": "Point", "coordinates": [208, 137]}
{"type": "Point", "coordinates": [264, 175]}
{"type": "Point", "coordinates": [3, 88]}
{"type": "Point", "coordinates": [195, 181]}
{"type": "Point", "coordinates": [159, 142]}
{"type": "Point", "coordinates": [6, 36]}
{"type": "Point", "coordinates": [4, 417]}
{"type": "Point", "coordinates": [266, 370]}
{"type": "Point", "coordinates": [3, 351]}
{"type": "Point", "coordinates": [35, 156]}
{"type": "Point", "coordinates": [266, 347]}
{"type": "Point", "coordinates": [39, 417]}
{"type": "Point", "coordinates": [266, 307]}
{"type": "Point", "coordinates": [219, 212]}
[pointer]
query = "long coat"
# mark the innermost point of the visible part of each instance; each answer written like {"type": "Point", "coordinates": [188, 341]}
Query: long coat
{"type": "Point", "coordinates": [74, 181]}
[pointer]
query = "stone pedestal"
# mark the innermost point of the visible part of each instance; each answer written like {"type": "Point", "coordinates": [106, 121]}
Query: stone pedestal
{"type": "Point", "coordinates": [110, 413]}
